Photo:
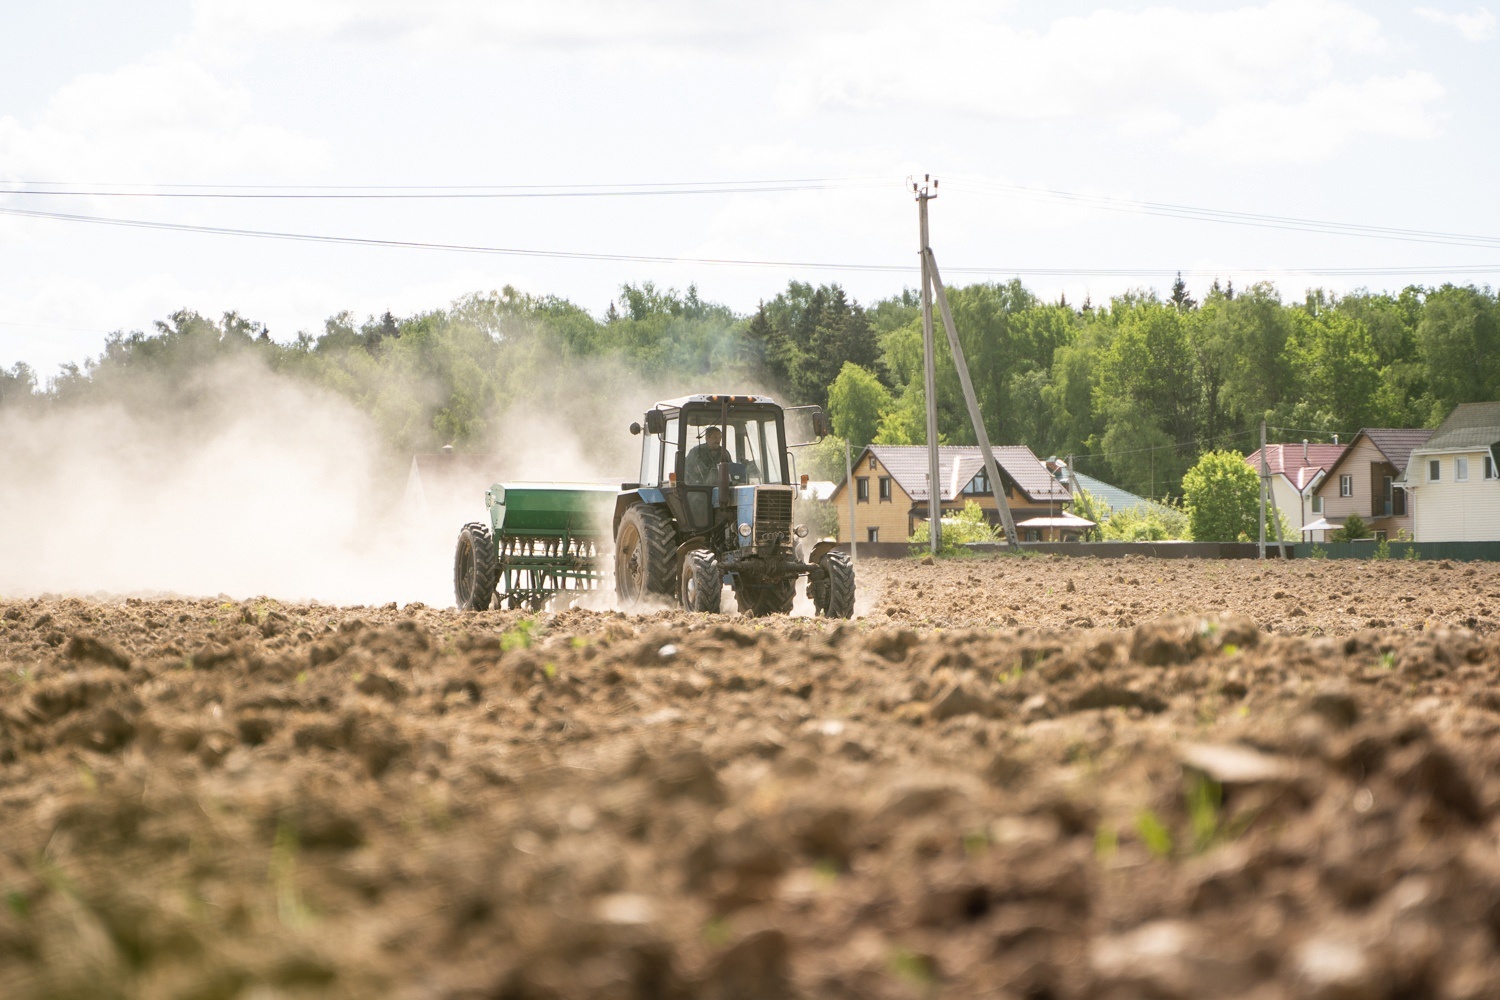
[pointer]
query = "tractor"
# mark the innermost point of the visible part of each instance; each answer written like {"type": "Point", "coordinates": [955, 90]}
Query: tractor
{"type": "Point", "coordinates": [713, 505]}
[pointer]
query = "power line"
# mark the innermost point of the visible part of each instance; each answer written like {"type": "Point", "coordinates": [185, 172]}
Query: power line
{"type": "Point", "coordinates": [1199, 214]}
{"type": "Point", "coordinates": [423, 192]}
{"type": "Point", "coordinates": [1462, 269]}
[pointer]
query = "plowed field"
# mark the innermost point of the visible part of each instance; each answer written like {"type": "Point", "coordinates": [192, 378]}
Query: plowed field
{"type": "Point", "coordinates": [1011, 777]}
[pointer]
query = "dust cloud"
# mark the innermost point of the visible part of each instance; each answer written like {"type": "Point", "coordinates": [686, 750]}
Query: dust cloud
{"type": "Point", "coordinates": [261, 485]}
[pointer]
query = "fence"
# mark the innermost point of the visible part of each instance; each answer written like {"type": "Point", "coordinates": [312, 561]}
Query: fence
{"type": "Point", "coordinates": [1457, 551]}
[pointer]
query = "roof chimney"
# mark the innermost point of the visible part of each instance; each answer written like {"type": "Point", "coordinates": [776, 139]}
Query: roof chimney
{"type": "Point", "coordinates": [1304, 450]}
{"type": "Point", "coordinates": [1335, 439]}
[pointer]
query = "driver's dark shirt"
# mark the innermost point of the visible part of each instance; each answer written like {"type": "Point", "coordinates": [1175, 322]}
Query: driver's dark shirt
{"type": "Point", "coordinates": [703, 461]}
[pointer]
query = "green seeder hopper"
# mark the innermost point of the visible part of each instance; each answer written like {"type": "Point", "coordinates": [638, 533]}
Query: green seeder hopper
{"type": "Point", "coordinates": [543, 540]}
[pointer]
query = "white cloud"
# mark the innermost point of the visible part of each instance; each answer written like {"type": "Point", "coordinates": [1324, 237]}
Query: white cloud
{"type": "Point", "coordinates": [1152, 73]}
{"type": "Point", "coordinates": [1476, 27]}
{"type": "Point", "coordinates": [163, 118]}
{"type": "Point", "coordinates": [1108, 62]}
{"type": "Point", "coordinates": [1321, 123]}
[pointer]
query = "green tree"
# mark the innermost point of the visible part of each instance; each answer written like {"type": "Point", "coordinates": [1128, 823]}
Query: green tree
{"type": "Point", "coordinates": [17, 385]}
{"type": "Point", "coordinates": [1222, 495]}
{"type": "Point", "coordinates": [856, 400]}
{"type": "Point", "coordinates": [1459, 339]}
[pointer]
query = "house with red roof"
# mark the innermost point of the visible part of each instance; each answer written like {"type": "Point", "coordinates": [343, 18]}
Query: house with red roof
{"type": "Point", "coordinates": [1296, 472]}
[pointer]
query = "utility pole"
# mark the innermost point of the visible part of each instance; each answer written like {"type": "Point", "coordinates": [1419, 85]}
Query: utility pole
{"type": "Point", "coordinates": [929, 362]}
{"type": "Point", "coordinates": [997, 488]}
{"type": "Point", "coordinates": [1265, 472]}
{"type": "Point", "coordinates": [849, 488]}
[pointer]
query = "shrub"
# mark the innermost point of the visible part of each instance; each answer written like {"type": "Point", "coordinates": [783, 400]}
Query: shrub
{"type": "Point", "coordinates": [968, 525]}
{"type": "Point", "coordinates": [1143, 523]}
{"type": "Point", "coordinates": [1353, 530]}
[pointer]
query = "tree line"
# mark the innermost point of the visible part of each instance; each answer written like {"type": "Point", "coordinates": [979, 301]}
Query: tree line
{"type": "Point", "coordinates": [1136, 388]}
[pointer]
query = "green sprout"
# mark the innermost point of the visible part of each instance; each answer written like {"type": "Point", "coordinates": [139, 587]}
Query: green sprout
{"type": "Point", "coordinates": [1153, 833]}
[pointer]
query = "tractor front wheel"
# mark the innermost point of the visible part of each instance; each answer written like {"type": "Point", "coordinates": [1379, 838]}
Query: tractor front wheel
{"type": "Point", "coordinates": [833, 596]}
{"type": "Point", "coordinates": [645, 550]}
{"type": "Point", "coordinates": [702, 582]}
{"type": "Point", "coordinates": [475, 571]}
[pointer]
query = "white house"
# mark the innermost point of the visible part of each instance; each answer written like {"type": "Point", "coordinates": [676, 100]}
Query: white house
{"type": "Point", "coordinates": [1453, 478]}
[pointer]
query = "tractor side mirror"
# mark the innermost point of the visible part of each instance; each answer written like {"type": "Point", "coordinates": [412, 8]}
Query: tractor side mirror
{"type": "Point", "coordinates": [822, 426]}
{"type": "Point", "coordinates": [656, 422]}
{"type": "Point", "coordinates": [635, 428]}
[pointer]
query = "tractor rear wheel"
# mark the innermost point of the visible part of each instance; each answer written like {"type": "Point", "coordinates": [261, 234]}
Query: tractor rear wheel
{"type": "Point", "coordinates": [833, 596]}
{"type": "Point", "coordinates": [475, 572]}
{"type": "Point", "coordinates": [702, 582]}
{"type": "Point", "coordinates": [645, 553]}
{"type": "Point", "coordinates": [759, 600]}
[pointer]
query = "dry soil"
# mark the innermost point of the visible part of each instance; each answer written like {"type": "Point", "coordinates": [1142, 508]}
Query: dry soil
{"type": "Point", "coordinates": [1030, 778]}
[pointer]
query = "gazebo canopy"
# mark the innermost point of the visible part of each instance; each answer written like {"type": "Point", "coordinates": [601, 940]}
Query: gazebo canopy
{"type": "Point", "coordinates": [1064, 520]}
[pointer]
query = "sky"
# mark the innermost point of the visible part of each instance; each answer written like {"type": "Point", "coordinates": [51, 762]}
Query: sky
{"type": "Point", "coordinates": [1057, 133]}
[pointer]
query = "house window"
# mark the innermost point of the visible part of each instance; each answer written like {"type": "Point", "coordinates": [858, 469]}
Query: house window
{"type": "Point", "coordinates": [885, 489]}
{"type": "Point", "coordinates": [1489, 467]}
{"type": "Point", "coordinates": [1380, 536]}
{"type": "Point", "coordinates": [862, 489]}
{"type": "Point", "coordinates": [872, 534]}
{"type": "Point", "coordinates": [872, 462]}
{"type": "Point", "coordinates": [1317, 504]}
{"type": "Point", "coordinates": [979, 485]}
{"type": "Point", "coordinates": [1434, 470]}
{"type": "Point", "coordinates": [1346, 486]}
{"type": "Point", "coordinates": [1461, 469]}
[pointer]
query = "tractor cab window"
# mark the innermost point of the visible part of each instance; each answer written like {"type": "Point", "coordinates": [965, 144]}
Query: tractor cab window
{"type": "Point", "coordinates": [651, 449]}
{"type": "Point", "coordinates": [749, 442]}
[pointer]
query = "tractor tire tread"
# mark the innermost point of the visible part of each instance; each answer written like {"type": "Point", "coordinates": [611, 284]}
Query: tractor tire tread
{"type": "Point", "coordinates": [660, 539]}
{"type": "Point", "coordinates": [838, 588]}
{"type": "Point", "coordinates": [478, 592]}
{"type": "Point", "coordinates": [708, 580]}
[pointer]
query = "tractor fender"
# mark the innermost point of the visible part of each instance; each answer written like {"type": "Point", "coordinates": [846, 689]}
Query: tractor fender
{"type": "Point", "coordinates": [629, 498]}
{"type": "Point", "coordinates": [820, 550]}
{"type": "Point", "coordinates": [623, 502]}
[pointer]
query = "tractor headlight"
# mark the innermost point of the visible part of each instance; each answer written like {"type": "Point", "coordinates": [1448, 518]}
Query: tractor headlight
{"type": "Point", "coordinates": [745, 530]}
{"type": "Point", "coordinates": [800, 531]}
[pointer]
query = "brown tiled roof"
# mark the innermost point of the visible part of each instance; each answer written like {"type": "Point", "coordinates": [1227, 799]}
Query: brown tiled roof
{"type": "Point", "coordinates": [1470, 425]}
{"type": "Point", "coordinates": [1288, 460]}
{"type": "Point", "coordinates": [958, 464]}
{"type": "Point", "coordinates": [1395, 443]}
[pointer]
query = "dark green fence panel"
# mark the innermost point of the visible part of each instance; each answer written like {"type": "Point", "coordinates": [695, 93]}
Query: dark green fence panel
{"type": "Point", "coordinates": [1457, 551]}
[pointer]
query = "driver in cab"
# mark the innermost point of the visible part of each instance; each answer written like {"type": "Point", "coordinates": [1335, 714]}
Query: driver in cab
{"type": "Point", "coordinates": [703, 460]}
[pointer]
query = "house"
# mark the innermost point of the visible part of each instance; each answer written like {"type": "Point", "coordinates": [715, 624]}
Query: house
{"type": "Point", "coordinates": [1453, 479]}
{"type": "Point", "coordinates": [1363, 480]}
{"type": "Point", "coordinates": [1296, 472]}
{"type": "Point", "coordinates": [890, 489]}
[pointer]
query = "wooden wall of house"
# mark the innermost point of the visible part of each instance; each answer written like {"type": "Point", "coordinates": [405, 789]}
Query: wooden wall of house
{"type": "Point", "coordinates": [1357, 464]}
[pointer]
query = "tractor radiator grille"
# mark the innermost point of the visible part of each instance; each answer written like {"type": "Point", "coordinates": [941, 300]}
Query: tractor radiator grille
{"type": "Point", "coordinates": [773, 514]}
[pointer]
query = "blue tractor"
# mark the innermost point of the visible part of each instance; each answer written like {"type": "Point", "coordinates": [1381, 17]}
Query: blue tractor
{"type": "Point", "coordinates": [714, 506]}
